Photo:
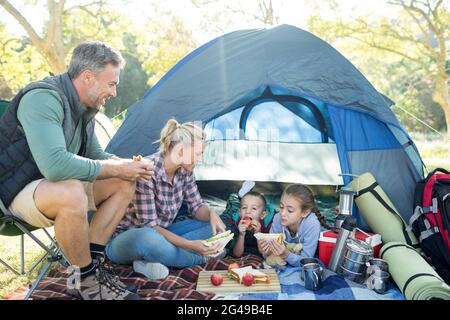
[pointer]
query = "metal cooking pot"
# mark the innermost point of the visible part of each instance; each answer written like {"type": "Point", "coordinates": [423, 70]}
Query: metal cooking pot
{"type": "Point", "coordinates": [353, 276]}
{"type": "Point", "coordinates": [353, 265]}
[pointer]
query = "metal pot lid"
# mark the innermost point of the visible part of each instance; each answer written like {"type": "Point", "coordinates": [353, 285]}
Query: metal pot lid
{"type": "Point", "coordinates": [359, 246]}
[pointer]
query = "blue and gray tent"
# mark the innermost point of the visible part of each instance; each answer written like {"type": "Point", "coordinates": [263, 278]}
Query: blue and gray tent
{"type": "Point", "coordinates": [278, 105]}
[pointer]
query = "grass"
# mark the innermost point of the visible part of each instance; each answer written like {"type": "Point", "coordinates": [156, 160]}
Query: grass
{"type": "Point", "coordinates": [10, 253]}
{"type": "Point", "coordinates": [431, 147]}
{"type": "Point", "coordinates": [434, 150]}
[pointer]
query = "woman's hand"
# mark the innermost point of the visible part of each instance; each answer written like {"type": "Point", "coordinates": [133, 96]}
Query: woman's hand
{"type": "Point", "coordinates": [217, 226]}
{"type": "Point", "coordinates": [199, 247]}
{"type": "Point", "coordinates": [264, 247]}
{"type": "Point", "coordinates": [278, 249]}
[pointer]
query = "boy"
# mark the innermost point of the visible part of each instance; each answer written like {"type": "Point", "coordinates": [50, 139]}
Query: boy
{"type": "Point", "coordinates": [250, 221]}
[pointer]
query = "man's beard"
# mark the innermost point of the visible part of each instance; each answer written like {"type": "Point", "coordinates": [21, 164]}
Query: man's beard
{"type": "Point", "coordinates": [96, 103]}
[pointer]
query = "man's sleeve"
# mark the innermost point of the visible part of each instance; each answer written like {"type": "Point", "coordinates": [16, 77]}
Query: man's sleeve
{"type": "Point", "coordinates": [95, 151]}
{"type": "Point", "coordinates": [41, 115]}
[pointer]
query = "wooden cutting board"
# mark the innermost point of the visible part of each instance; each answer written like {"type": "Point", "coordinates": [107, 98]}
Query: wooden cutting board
{"type": "Point", "coordinates": [232, 286]}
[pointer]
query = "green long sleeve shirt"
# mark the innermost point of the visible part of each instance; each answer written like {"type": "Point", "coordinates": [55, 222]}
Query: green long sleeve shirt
{"type": "Point", "coordinates": [41, 115]}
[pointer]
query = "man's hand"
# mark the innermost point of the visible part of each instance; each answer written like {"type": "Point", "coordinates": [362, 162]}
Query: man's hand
{"type": "Point", "coordinates": [217, 226]}
{"type": "Point", "coordinates": [126, 169]}
{"type": "Point", "coordinates": [136, 170]}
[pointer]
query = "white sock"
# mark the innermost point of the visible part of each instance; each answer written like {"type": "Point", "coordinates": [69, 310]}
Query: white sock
{"type": "Point", "coordinates": [246, 187]}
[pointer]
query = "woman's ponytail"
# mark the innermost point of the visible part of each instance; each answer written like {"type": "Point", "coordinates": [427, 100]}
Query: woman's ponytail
{"type": "Point", "coordinates": [174, 133]}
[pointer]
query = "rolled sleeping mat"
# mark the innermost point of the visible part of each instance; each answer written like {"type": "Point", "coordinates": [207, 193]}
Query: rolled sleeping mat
{"type": "Point", "coordinates": [379, 212]}
{"type": "Point", "coordinates": [413, 275]}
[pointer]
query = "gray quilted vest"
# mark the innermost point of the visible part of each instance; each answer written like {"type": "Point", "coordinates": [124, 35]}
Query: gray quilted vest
{"type": "Point", "coordinates": [17, 166]}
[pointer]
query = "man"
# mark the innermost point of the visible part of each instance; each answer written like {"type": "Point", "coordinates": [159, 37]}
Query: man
{"type": "Point", "coordinates": [53, 170]}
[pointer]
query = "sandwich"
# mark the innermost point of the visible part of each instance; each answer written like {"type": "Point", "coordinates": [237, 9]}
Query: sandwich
{"type": "Point", "coordinates": [278, 237]}
{"type": "Point", "coordinates": [221, 238]}
{"type": "Point", "coordinates": [239, 273]}
{"type": "Point", "coordinates": [141, 158]}
{"type": "Point", "coordinates": [274, 260]}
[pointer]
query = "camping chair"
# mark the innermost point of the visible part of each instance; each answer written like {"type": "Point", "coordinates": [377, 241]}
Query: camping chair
{"type": "Point", "coordinates": [12, 226]}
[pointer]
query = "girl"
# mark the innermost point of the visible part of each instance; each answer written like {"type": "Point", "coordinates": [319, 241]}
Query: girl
{"type": "Point", "coordinates": [297, 220]}
{"type": "Point", "coordinates": [147, 236]}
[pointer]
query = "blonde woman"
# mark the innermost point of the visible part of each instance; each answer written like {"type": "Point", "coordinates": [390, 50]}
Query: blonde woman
{"type": "Point", "coordinates": [147, 236]}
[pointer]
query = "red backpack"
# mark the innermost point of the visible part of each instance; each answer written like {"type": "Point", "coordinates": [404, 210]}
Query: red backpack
{"type": "Point", "coordinates": [431, 220]}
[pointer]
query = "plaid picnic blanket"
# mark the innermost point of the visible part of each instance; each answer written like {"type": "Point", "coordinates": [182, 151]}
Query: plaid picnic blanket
{"type": "Point", "coordinates": [180, 284]}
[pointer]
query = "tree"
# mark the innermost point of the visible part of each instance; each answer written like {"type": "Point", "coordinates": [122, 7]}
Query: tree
{"type": "Point", "coordinates": [68, 26]}
{"type": "Point", "coordinates": [419, 34]}
{"type": "Point", "coordinates": [219, 15]}
{"type": "Point", "coordinates": [29, 59]}
{"type": "Point", "coordinates": [169, 42]}
{"type": "Point", "coordinates": [150, 51]}
{"type": "Point", "coordinates": [132, 82]}
{"type": "Point", "coordinates": [51, 45]}
{"type": "Point", "coordinates": [20, 63]}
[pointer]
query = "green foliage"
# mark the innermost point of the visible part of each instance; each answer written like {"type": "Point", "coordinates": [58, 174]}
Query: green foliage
{"type": "Point", "coordinates": [20, 63]}
{"type": "Point", "coordinates": [150, 51]}
{"type": "Point", "coordinates": [169, 42]}
{"type": "Point", "coordinates": [396, 55]}
{"type": "Point", "coordinates": [95, 22]}
{"type": "Point", "coordinates": [404, 83]}
{"type": "Point", "coordinates": [132, 82]}
{"type": "Point", "coordinates": [432, 147]}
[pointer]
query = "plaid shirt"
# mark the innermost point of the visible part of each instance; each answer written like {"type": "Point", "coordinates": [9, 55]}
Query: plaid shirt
{"type": "Point", "coordinates": [158, 201]}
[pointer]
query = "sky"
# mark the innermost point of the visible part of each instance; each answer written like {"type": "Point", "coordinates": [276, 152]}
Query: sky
{"type": "Point", "coordinates": [293, 12]}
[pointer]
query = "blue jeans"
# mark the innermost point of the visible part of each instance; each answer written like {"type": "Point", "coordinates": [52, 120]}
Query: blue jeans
{"type": "Point", "coordinates": [149, 245]}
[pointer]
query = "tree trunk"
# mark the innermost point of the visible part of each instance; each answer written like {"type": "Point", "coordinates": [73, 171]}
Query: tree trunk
{"type": "Point", "coordinates": [52, 46]}
{"type": "Point", "coordinates": [55, 60]}
{"type": "Point", "coordinates": [441, 96]}
{"type": "Point", "coordinates": [54, 41]}
{"type": "Point", "coordinates": [447, 120]}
